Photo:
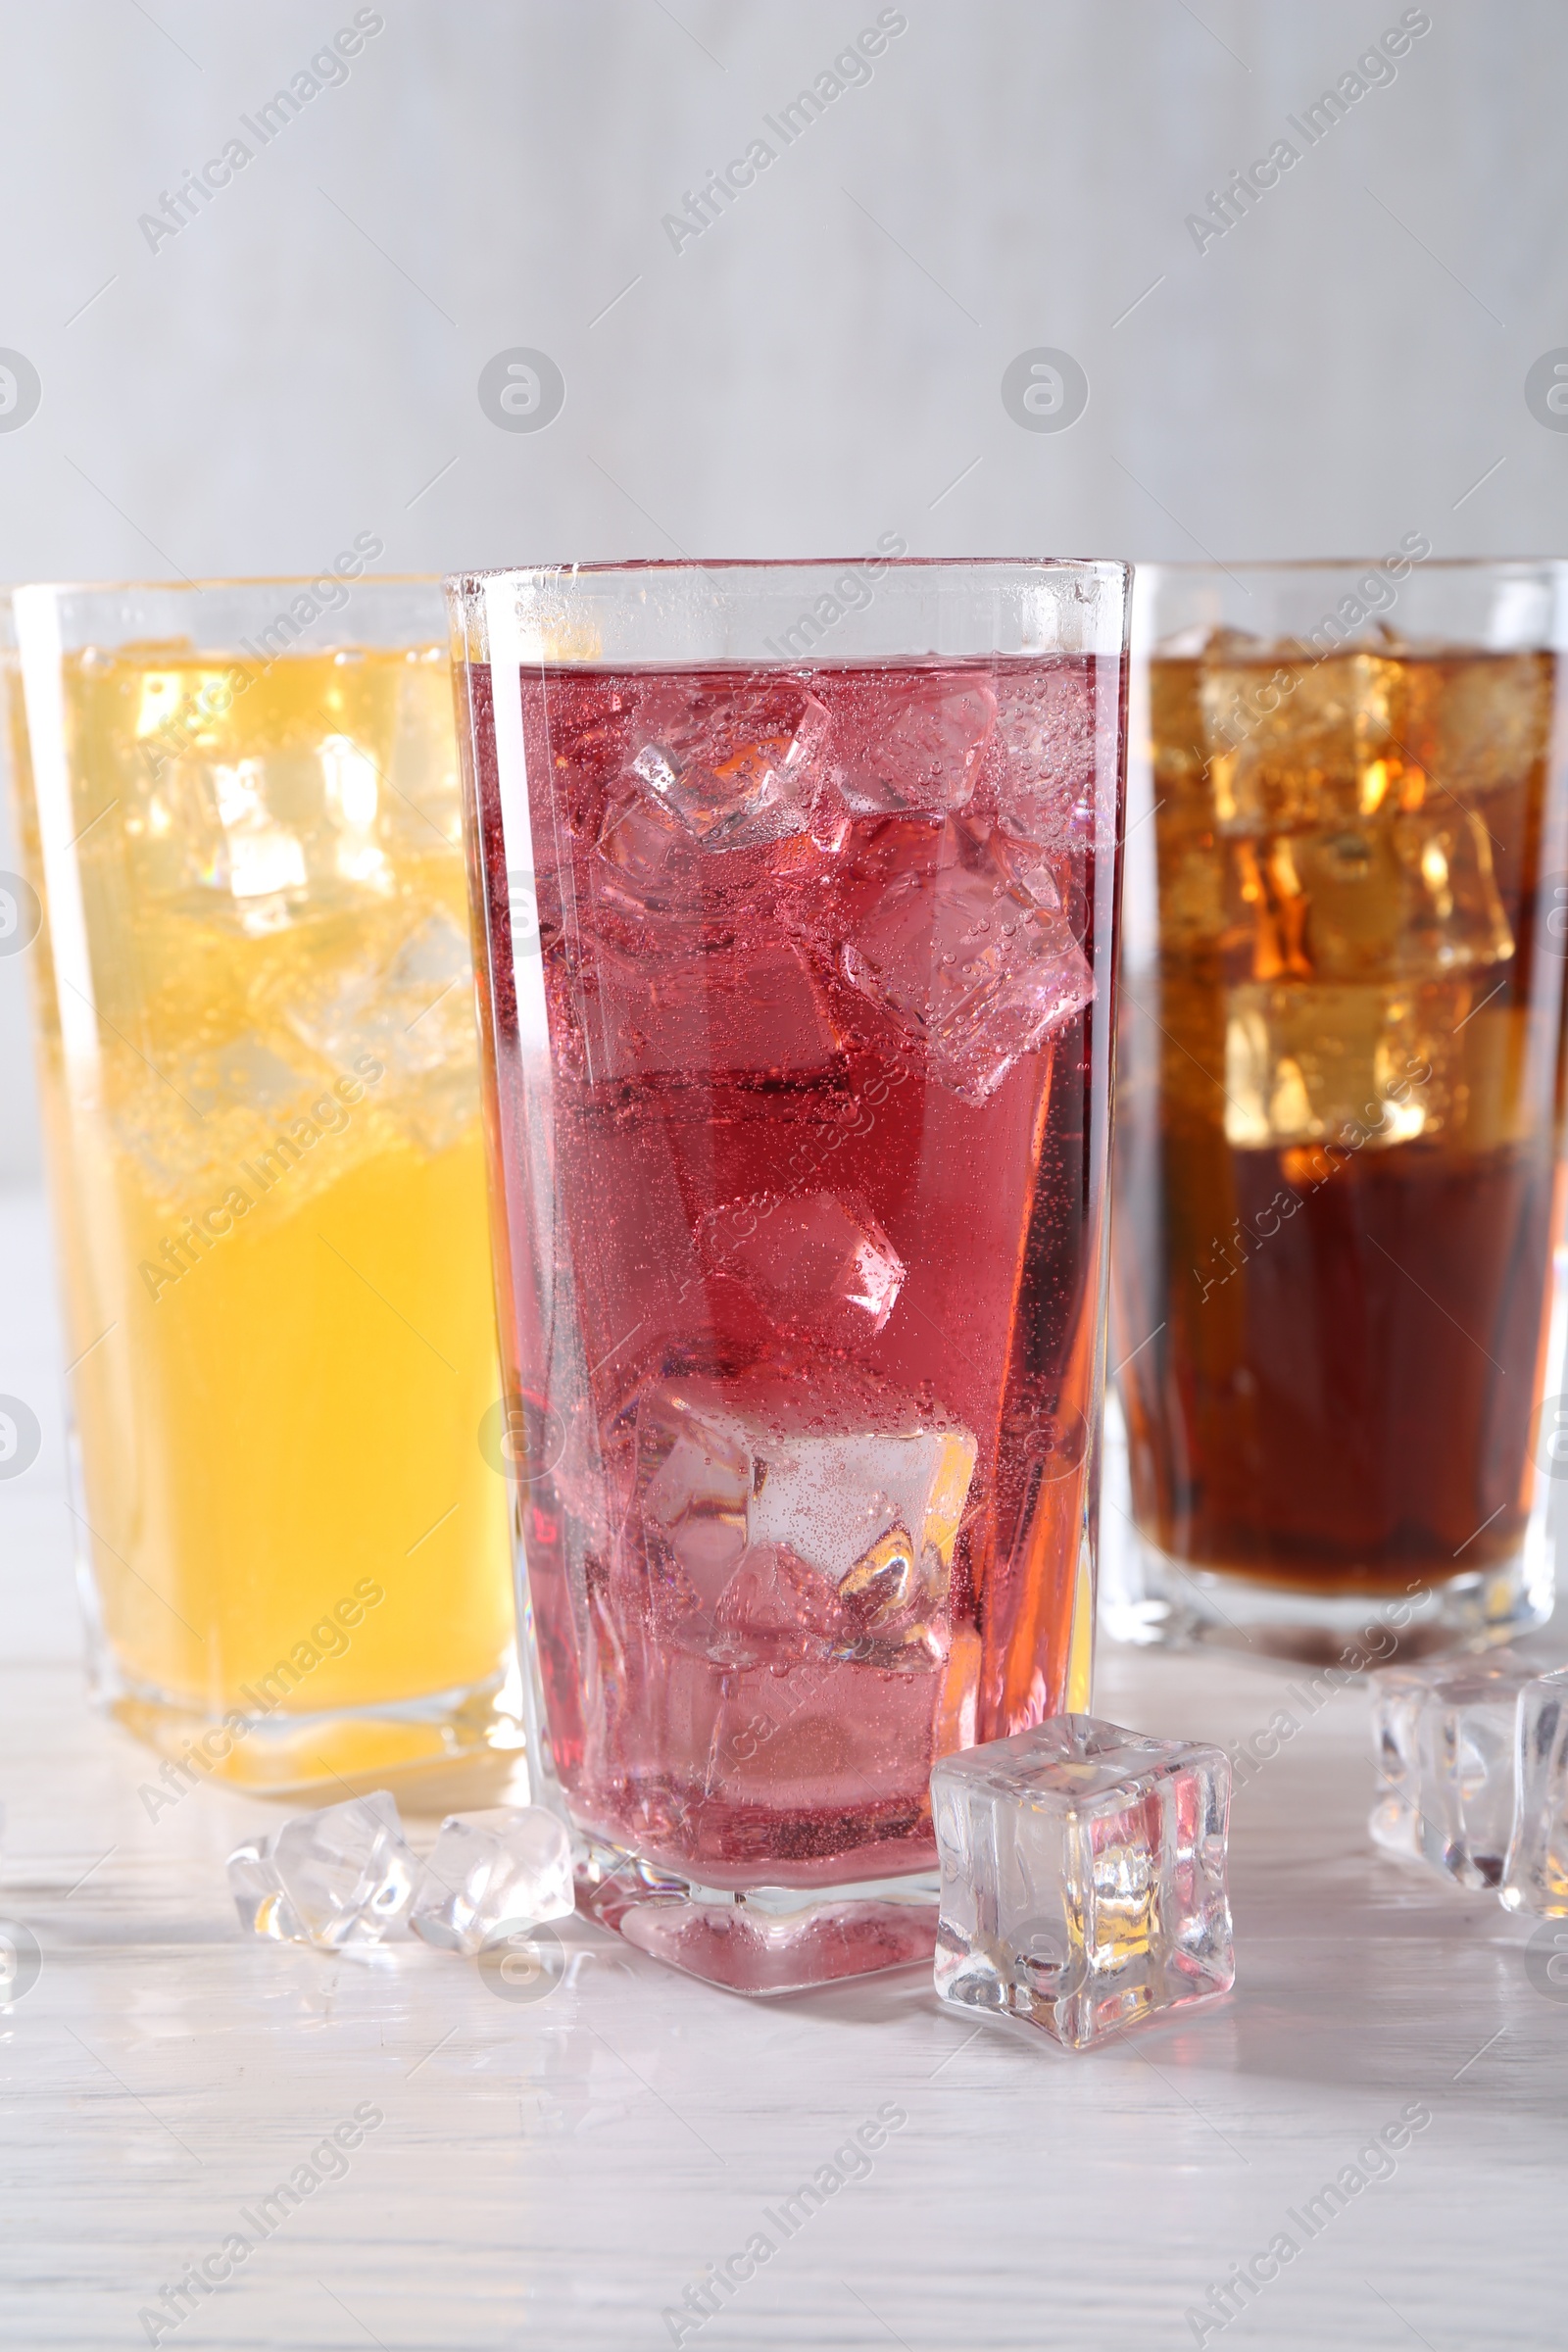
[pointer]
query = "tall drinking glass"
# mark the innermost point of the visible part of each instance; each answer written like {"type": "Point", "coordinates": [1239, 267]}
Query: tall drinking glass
{"type": "Point", "coordinates": [240, 810]}
{"type": "Point", "coordinates": [795, 885]}
{"type": "Point", "coordinates": [1336, 1204]}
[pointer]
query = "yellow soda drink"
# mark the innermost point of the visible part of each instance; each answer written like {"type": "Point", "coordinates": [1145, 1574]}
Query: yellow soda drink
{"type": "Point", "coordinates": [262, 1118]}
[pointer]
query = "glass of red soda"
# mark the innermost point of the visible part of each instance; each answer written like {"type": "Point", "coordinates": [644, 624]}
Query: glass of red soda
{"type": "Point", "coordinates": [794, 891]}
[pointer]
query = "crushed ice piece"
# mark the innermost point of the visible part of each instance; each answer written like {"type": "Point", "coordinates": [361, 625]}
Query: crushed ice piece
{"type": "Point", "coordinates": [1083, 1878]}
{"type": "Point", "coordinates": [341, 1876]}
{"type": "Point", "coordinates": [969, 961]}
{"type": "Point", "coordinates": [819, 1269]}
{"type": "Point", "coordinates": [918, 750]}
{"type": "Point", "coordinates": [490, 1874]}
{"type": "Point", "coordinates": [1536, 1871]}
{"type": "Point", "coordinates": [816, 1509]}
{"type": "Point", "coordinates": [733, 766]}
{"type": "Point", "coordinates": [1443, 1737]}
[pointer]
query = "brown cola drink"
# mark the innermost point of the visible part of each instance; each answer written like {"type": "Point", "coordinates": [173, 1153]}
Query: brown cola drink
{"type": "Point", "coordinates": [1337, 1140]}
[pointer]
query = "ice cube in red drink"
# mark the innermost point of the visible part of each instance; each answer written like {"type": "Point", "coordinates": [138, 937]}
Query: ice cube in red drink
{"type": "Point", "coordinates": [917, 748]}
{"type": "Point", "coordinates": [973, 965]}
{"type": "Point", "coordinates": [818, 1269]}
{"type": "Point", "coordinates": [732, 762]}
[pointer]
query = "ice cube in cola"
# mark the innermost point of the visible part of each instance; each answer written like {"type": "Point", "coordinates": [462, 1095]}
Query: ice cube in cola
{"type": "Point", "coordinates": [820, 1276]}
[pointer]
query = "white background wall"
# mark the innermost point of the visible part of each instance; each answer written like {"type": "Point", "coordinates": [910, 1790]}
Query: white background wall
{"type": "Point", "coordinates": [822, 363]}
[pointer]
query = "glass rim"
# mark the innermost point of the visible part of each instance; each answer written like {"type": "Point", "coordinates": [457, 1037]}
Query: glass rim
{"type": "Point", "coordinates": [635, 566]}
{"type": "Point", "coordinates": [211, 583]}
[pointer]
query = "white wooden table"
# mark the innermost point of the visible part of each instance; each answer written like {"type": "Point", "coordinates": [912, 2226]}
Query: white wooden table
{"type": "Point", "coordinates": [560, 2174]}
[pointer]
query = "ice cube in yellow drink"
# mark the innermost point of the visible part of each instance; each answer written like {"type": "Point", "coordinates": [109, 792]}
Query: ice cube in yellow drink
{"type": "Point", "coordinates": [261, 1106]}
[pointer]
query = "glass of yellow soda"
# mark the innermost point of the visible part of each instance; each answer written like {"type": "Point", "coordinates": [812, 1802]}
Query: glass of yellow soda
{"type": "Point", "coordinates": [239, 808]}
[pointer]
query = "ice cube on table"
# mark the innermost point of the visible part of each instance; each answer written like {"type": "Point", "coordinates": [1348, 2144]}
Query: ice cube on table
{"type": "Point", "coordinates": [734, 764]}
{"type": "Point", "coordinates": [968, 963]}
{"type": "Point", "coordinates": [810, 1508]}
{"type": "Point", "coordinates": [1443, 1737]}
{"type": "Point", "coordinates": [1535, 1874]}
{"type": "Point", "coordinates": [341, 1876]}
{"type": "Point", "coordinates": [1083, 1878]}
{"type": "Point", "coordinates": [819, 1269]}
{"type": "Point", "coordinates": [918, 750]}
{"type": "Point", "coordinates": [490, 1874]}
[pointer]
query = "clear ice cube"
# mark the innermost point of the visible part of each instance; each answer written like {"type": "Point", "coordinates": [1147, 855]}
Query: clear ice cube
{"type": "Point", "coordinates": [919, 751]}
{"type": "Point", "coordinates": [491, 1873]}
{"type": "Point", "coordinates": [341, 1876]}
{"type": "Point", "coordinates": [1321, 754]}
{"type": "Point", "coordinates": [1406, 896]}
{"type": "Point", "coordinates": [968, 960]}
{"type": "Point", "coordinates": [193, 1120]}
{"type": "Point", "coordinates": [719, 1010]}
{"type": "Point", "coordinates": [735, 768]}
{"type": "Point", "coordinates": [410, 1006]}
{"type": "Point", "coordinates": [1083, 1878]}
{"type": "Point", "coordinates": [1366, 1066]}
{"type": "Point", "coordinates": [648, 863]}
{"type": "Point", "coordinates": [1443, 1737]}
{"type": "Point", "coordinates": [410, 1009]}
{"type": "Point", "coordinates": [262, 842]}
{"type": "Point", "coordinates": [1305, 1064]}
{"type": "Point", "coordinates": [1480, 725]}
{"type": "Point", "coordinates": [1536, 1871]}
{"type": "Point", "coordinates": [819, 1269]}
{"type": "Point", "coordinates": [1046, 733]}
{"type": "Point", "coordinates": [808, 1505]}
{"type": "Point", "coordinates": [245, 1071]}
{"type": "Point", "coordinates": [423, 802]}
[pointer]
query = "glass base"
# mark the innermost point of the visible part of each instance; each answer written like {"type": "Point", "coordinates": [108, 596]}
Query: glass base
{"type": "Point", "coordinates": [1151, 1600]}
{"type": "Point", "coordinates": [445, 1751]}
{"type": "Point", "coordinates": [765, 1940]}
